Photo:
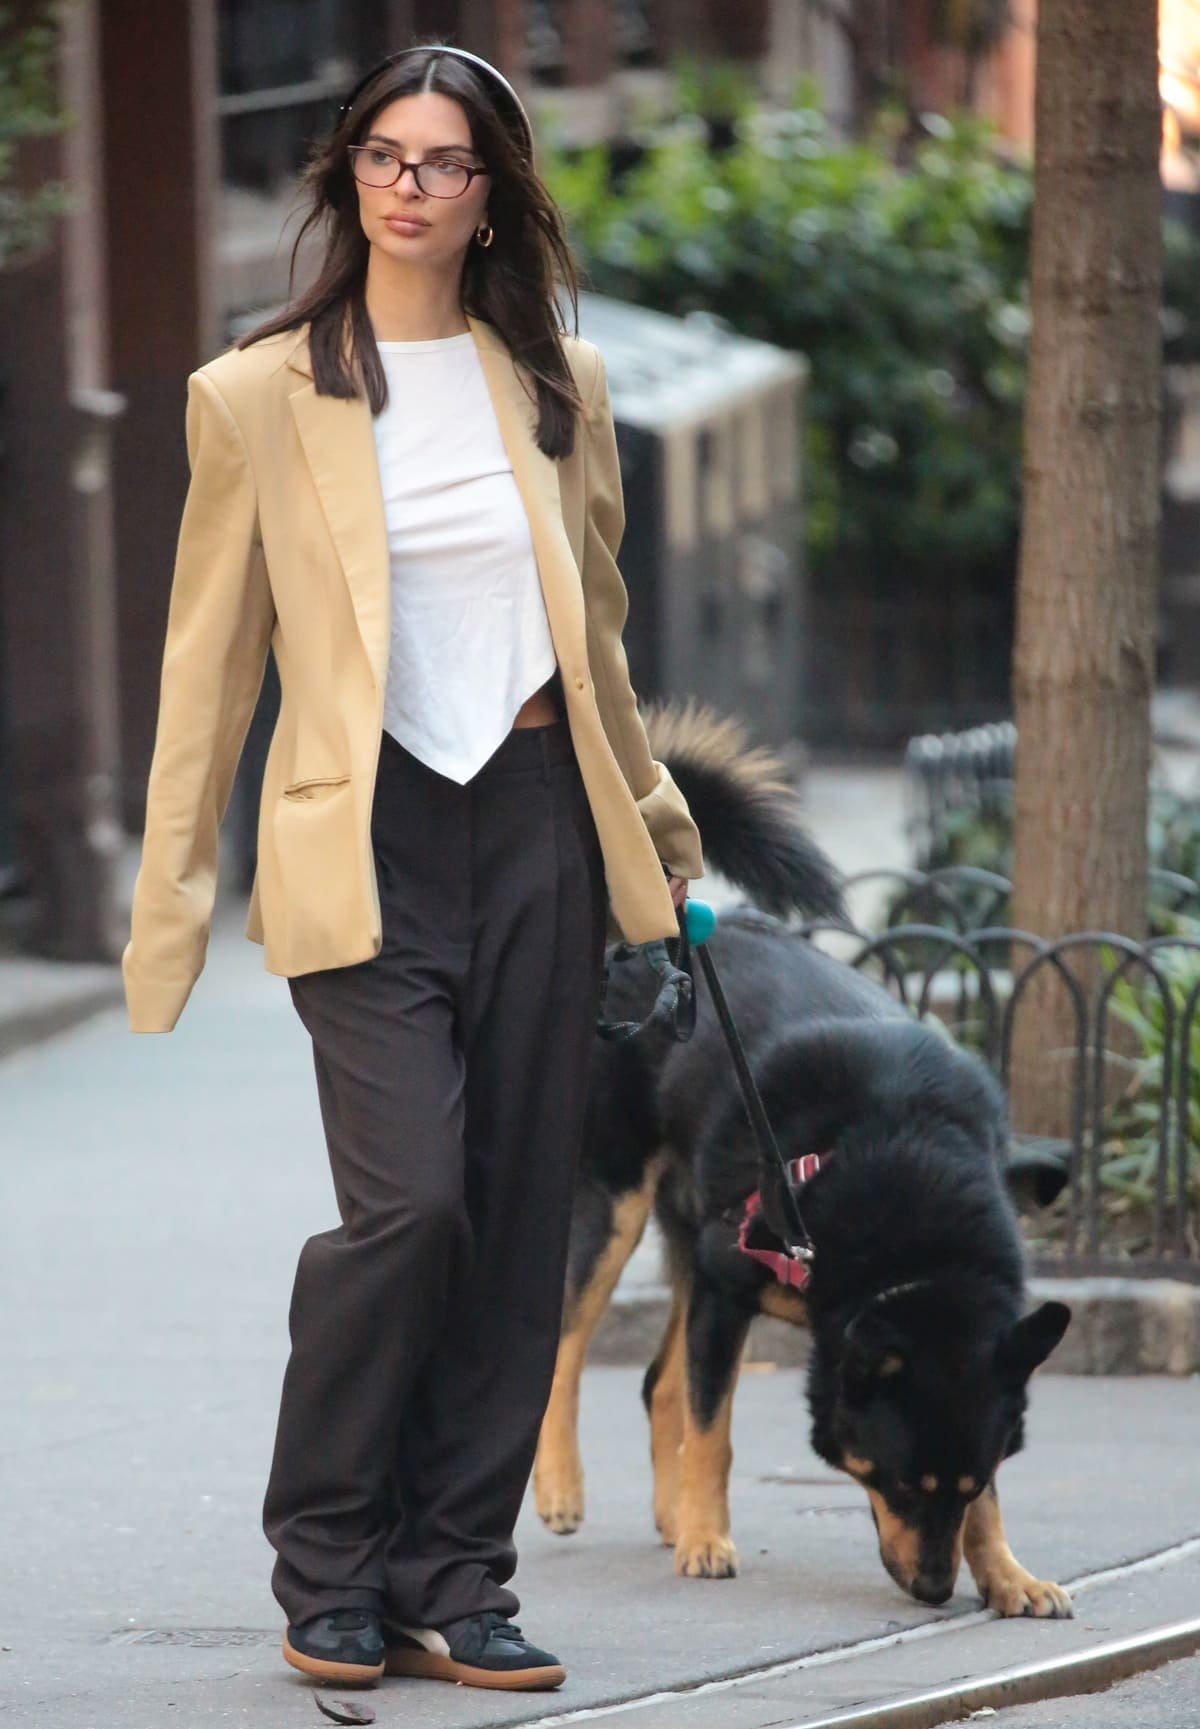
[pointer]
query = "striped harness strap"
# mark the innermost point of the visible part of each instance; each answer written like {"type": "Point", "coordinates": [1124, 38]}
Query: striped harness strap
{"type": "Point", "coordinates": [756, 1239]}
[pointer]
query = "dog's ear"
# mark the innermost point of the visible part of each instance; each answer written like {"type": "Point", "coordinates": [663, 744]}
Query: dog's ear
{"type": "Point", "coordinates": [871, 1357]}
{"type": "Point", "coordinates": [1030, 1342]}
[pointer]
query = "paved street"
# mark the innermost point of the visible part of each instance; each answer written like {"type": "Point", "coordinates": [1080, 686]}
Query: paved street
{"type": "Point", "coordinates": [156, 1192]}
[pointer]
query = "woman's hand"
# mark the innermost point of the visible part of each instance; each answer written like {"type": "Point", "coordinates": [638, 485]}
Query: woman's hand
{"type": "Point", "coordinates": [678, 887]}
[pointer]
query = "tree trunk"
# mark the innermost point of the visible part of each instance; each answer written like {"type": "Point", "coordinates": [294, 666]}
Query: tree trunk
{"type": "Point", "coordinates": [1084, 659]}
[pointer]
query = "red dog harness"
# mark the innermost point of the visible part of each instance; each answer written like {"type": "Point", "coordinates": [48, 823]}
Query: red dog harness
{"type": "Point", "coordinates": [788, 1271]}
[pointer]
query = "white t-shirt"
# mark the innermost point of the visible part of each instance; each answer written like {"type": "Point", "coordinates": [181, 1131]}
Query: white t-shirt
{"type": "Point", "coordinates": [470, 639]}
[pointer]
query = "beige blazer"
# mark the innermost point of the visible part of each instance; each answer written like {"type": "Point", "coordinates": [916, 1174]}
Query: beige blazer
{"type": "Point", "coordinates": [283, 541]}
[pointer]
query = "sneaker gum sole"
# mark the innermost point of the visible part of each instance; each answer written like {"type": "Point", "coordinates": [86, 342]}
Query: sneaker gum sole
{"type": "Point", "coordinates": [325, 1669]}
{"type": "Point", "coordinates": [428, 1666]}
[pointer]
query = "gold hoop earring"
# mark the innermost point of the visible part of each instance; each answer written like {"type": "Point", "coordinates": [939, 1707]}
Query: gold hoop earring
{"type": "Point", "coordinates": [480, 232]}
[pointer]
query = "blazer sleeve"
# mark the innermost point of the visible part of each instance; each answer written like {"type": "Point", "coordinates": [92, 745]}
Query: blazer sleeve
{"type": "Point", "coordinates": [218, 629]}
{"type": "Point", "coordinates": [662, 805]}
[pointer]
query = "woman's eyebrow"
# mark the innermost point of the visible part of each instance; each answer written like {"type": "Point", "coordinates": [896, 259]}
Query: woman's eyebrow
{"type": "Point", "coordinates": [431, 150]}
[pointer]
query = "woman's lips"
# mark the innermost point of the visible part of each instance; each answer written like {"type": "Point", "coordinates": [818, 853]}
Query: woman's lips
{"type": "Point", "coordinates": [405, 224]}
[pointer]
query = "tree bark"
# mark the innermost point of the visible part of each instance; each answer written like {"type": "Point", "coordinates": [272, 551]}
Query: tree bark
{"type": "Point", "coordinates": [1084, 658]}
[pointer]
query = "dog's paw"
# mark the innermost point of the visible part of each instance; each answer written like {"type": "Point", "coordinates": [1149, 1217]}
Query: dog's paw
{"type": "Point", "coordinates": [1013, 1591]}
{"type": "Point", "coordinates": [562, 1517]}
{"type": "Point", "coordinates": [705, 1557]}
{"type": "Point", "coordinates": [558, 1496]}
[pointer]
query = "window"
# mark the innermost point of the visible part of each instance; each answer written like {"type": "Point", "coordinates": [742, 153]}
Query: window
{"type": "Point", "coordinates": [283, 66]}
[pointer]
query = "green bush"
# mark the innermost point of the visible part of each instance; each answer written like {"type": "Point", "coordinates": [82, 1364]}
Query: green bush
{"type": "Point", "coordinates": [904, 285]}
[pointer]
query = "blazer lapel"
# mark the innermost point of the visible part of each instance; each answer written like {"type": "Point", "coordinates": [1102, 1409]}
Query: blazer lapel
{"type": "Point", "coordinates": [339, 446]}
{"type": "Point", "coordinates": [537, 480]}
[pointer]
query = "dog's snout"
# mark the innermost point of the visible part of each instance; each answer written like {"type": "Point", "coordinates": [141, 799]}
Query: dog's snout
{"type": "Point", "coordinates": [923, 1568]}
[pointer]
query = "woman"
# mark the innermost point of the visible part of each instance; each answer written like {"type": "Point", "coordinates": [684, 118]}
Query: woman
{"type": "Point", "coordinates": [407, 485]}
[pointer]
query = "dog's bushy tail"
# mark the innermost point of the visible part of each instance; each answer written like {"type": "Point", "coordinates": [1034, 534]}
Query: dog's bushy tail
{"type": "Point", "coordinates": [749, 817]}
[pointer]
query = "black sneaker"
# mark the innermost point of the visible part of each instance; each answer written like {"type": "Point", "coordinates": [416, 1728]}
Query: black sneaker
{"type": "Point", "coordinates": [345, 1645]}
{"type": "Point", "coordinates": [482, 1651]}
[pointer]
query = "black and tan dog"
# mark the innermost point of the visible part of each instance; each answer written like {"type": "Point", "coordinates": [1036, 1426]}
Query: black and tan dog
{"type": "Point", "coordinates": [921, 1349]}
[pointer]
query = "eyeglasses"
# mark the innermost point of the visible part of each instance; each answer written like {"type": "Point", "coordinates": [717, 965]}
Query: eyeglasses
{"type": "Point", "coordinates": [442, 177]}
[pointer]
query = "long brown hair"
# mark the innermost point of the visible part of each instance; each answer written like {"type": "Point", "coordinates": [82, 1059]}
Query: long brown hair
{"type": "Point", "coordinates": [511, 285]}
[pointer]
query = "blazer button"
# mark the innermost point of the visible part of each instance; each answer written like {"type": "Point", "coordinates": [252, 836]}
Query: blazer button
{"type": "Point", "coordinates": [578, 684]}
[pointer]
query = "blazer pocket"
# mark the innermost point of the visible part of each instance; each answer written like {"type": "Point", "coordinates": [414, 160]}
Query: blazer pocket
{"type": "Point", "coordinates": [316, 786]}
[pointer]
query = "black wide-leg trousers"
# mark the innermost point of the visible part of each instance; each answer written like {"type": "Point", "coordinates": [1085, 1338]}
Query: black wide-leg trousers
{"type": "Point", "coordinates": [452, 1073]}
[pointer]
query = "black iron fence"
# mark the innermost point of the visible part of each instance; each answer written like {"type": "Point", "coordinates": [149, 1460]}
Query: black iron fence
{"type": "Point", "coordinates": [1129, 1153]}
{"type": "Point", "coordinates": [955, 778]}
{"type": "Point", "coordinates": [959, 793]}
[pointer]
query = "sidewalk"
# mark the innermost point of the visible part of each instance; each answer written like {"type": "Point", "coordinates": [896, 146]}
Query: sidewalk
{"type": "Point", "coordinates": [157, 1191]}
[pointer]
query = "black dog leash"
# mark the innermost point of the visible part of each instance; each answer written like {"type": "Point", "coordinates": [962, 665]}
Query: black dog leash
{"type": "Point", "coordinates": [675, 1009]}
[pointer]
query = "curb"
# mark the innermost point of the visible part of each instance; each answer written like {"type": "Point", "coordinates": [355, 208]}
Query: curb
{"type": "Point", "coordinates": [1083, 1672]}
{"type": "Point", "coordinates": [1126, 1326]}
{"type": "Point", "coordinates": [1118, 1327]}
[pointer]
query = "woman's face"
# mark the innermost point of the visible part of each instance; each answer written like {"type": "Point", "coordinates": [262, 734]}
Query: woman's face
{"type": "Point", "coordinates": [427, 128]}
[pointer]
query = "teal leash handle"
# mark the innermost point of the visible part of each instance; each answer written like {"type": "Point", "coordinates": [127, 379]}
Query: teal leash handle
{"type": "Point", "coordinates": [701, 922]}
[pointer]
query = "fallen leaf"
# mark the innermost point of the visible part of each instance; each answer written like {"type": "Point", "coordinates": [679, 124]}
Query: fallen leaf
{"type": "Point", "coordinates": [344, 1710]}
